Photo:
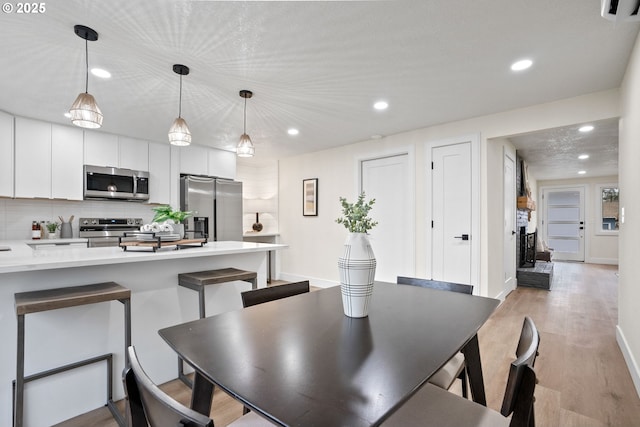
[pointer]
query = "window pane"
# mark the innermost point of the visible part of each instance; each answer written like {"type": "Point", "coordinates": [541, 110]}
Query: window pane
{"type": "Point", "coordinates": [610, 208]}
{"type": "Point", "coordinates": [569, 198]}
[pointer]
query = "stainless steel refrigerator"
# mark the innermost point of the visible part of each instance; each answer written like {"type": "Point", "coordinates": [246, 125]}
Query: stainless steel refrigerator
{"type": "Point", "coordinates": [216, 205]}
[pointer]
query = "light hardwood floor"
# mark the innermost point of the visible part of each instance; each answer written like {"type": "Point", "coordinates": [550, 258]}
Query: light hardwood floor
{"type": "Point", "coordinates": [583, 380]}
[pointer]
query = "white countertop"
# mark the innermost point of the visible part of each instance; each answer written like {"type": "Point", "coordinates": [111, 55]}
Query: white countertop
{"type": "Point", "coordinates": [22, 257]}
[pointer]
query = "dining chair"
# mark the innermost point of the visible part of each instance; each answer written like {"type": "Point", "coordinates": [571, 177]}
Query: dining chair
{"type": "Point", "coordinates": [445, 409]}
{"type": "Point", "coordinates": [148, 406]}
{"type": "Point", "coordinates": [455, 367]}
{"type": "Point", "coordinates": [272, 293]}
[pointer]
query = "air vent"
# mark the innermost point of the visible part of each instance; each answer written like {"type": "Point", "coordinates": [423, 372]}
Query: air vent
{"type": "Point", "coordinates": [620, 10]}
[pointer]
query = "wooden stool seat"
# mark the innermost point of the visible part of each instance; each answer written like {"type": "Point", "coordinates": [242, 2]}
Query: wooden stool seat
{"type": "Point", "coordinates": [54, 299]}
{"type": "Point", "coordinates": [198, 280]}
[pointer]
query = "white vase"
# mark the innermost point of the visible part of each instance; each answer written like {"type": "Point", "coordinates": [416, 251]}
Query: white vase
{"type": "Point", "coordinates": [357, 267]}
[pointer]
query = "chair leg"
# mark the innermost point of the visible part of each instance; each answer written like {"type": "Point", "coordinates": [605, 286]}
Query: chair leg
{"type": "Point", "coordinates": [463, 379]}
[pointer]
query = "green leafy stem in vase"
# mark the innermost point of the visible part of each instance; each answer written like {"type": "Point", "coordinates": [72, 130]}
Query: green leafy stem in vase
{"type": "Point", "coordinates": [165, 213]}
{"type": "Point", "coordinates": [355, 215]}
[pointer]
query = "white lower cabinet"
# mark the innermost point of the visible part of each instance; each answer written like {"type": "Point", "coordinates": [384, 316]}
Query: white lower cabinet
{"type": "Point", "coordinates": [6, 159]}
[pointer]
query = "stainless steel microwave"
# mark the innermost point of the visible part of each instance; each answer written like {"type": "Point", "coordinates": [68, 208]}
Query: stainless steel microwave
{"type": "Point", "coordinates": [114, 183]}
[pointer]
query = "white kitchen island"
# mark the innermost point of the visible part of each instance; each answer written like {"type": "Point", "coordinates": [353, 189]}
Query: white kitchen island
{"type": "Point", "coordinates": [58, 337]}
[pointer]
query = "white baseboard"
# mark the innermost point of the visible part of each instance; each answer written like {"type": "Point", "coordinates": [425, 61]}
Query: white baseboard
{"type": "Point", "coordinates": [628, 358]}
{"type": "Point", "coordinates": [608, 261]}
{"type": "Point", "coordinates": [320, 283]}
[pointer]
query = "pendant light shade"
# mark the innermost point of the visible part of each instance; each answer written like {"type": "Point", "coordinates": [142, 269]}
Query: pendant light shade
{"type": "Point", "coordinates": [85, 111]}
{"type": "Point", "coordinates": [245, 146]}
{"type": "Point", "coordinates": [179, 133]}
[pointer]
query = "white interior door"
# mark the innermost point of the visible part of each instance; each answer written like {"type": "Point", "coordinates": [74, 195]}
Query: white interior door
{"type": "Point", "coordinates": [563, 222]}
{"type": "Point", "coordinates": [509, 189]}
{"type": "Point", "coordinates": [389, 181]}
{"type": "Point", "coordinates": [452, 213]}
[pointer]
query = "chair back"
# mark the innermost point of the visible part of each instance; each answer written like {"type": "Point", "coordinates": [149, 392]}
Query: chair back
{"type": "Point", "coordinates": [518, 396]}
{"type": "Point", "coordinates": [272, 293]}
{"type": "Point", "coordinates": [435, 284]}
{"type": "Point", "coordinates": [148, 406]}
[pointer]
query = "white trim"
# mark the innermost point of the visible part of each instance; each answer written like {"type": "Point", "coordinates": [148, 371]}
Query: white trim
{"type": "Point", "coordinates": [509, 152]}
{"type": "Point", "coordinates": [474, 140]}
{"type": "Point", "coordinates": [313, 281]}
{"type": "Point", "coordinates": [632, 365]}
{"type": "Point", "coordinates": [608, 261]}
{"type": "Point", "coordinates": [503, 294]}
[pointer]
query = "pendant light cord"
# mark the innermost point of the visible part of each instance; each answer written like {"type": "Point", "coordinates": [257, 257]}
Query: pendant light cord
{"type": "Point", "coordinates": [86, 62]}
{"type": "Point", "coordinates": [180, 102]}
{"type": "Point", "coordinates": [245, 115]}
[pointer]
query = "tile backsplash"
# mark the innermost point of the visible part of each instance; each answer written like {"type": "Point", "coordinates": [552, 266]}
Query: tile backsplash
{"type": "Point", "coordinates": [16, 215]}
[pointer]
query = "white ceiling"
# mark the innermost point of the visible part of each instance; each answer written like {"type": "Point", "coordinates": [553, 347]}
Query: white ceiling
{"type": "Point", "coordinates": [316, 66]}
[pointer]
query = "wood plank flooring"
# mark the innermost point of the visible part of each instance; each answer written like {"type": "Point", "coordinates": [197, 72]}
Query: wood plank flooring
{"type": "Point", "coordinates": [584, 381]}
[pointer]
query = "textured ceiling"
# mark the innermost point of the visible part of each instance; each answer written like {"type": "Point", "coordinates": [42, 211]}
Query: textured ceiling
{"type": "Point", "coordinates": [317, 66]}
{"type": "Point", "coordinates": [553, 153]}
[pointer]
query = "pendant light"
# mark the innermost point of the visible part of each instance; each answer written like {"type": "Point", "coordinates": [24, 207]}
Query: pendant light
{"type": "Point", "coordinates": [84, 111]}
{"type": "Point", "coordinates": [179, 133]}
{"type": "Point", "coordinates": [245, 146]}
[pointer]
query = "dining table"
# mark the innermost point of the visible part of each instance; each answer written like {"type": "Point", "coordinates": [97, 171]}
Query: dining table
{"type": "Point", "coordinates": [299, 361]}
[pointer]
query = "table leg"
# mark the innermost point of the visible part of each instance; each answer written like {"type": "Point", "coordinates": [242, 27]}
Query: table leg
{"type": "Point", "coordinates": [471, 353]}
{"type": "Point", "coordinates": [201, 394]}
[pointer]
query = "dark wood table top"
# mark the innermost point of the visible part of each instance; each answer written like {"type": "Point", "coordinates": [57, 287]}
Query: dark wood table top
{"type": "Point", "coordinates": [301, 362]}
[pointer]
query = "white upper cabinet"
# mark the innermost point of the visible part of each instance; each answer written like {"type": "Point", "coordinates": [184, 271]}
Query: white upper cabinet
{"type": "Point", "coordinates": [159, 173]}
{"type": "Point", "coordinates": [194, 159]}
{"type": "Point", "coordinates": [6, 159]}
{"type": "Point", "coordinates": [133, 153]}
{"type": "Point", "coordinates": [100, 149]}
{"type": "Point", "coordinates": [222, 163]}
{"type": "Point", "coordinates": [66, 162]}
{"type": "Point", "coordinates": [33, 158]}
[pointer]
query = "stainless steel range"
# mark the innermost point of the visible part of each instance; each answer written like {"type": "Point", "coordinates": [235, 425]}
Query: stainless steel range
{"type": "Point", "coordinates": [106, 231]}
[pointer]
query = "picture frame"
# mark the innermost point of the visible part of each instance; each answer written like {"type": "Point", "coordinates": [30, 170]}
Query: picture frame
{"type": "Point", "coordinates": [310, 197]}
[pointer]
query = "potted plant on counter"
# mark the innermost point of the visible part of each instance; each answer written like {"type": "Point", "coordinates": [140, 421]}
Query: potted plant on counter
{"type": "Point", "coordinates": [168, 215]}
{"type": "Point", "coordinates": [52, 227]}
{"type": "Point", "coordinates": [357, 265]}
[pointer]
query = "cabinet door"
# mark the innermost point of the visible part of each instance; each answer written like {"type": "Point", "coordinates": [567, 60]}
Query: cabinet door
{"type": "Point", "coordinates": [159, 173]}
{"type": "Point", "coordinates": [6, 159]}
{"type": "Point", "coordinates": [134, 153]}
{"type": "Point", "coordinates": [222, 163]}
{"type": "Point", "coordinates": [194, 160]}
{"type": "Point", "coordinates": [33, 158]}
{"type": "Point", "coordinates": [100, 149]}
{"type": "Point", "coordinates": [66, 162]}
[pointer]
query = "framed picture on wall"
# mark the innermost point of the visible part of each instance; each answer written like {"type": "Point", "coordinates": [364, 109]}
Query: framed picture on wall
{"type": "Point", "coordinates": [310, 197]}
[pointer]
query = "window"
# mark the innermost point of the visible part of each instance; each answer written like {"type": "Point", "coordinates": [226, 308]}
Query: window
{"type": "Point", "coordinates": [608, 209]}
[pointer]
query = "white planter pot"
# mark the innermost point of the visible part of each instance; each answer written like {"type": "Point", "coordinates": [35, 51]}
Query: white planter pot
{"type": "Point", "coordinates": [357, 267]}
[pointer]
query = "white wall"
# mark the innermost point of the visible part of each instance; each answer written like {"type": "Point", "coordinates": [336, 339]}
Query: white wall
{"type": "Point", "coordinates": [259, 181]}
{"type": "Point", "coordinates": [599, 249]}
{"type": "Point", "coordinates": [629, 156]}
{"type": "Point", "coordinates": [316, 242]}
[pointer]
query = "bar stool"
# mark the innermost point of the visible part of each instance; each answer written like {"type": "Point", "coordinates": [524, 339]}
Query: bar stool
{"type": "Point", "coordinates": [53, 299]}
{"type": "Point", "coordinates": [198, 280]}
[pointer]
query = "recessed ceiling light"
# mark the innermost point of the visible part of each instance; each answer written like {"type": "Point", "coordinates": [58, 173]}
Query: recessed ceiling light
{"type": "Point", "coordinates": [581, 172]}
{"type": "Point", "coordinates": [586, 128]}
{"type": "Point", "coordinates": [381, 105]}
{"type": "Point", "coordinates": [583, 156]}
{"type": "Point", "coordinates": [293, 131]}
{"type": "Point", "coordinates": [521, 65]}
{"type": "Point", "coordinates": [99, 72]}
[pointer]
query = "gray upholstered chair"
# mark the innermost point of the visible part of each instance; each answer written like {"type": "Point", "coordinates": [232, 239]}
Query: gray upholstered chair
{"type": "Point", "coordinates": [437, 407]}
{"type": "Point", "coordinates": [455, 367]}
{"type": "Point", "coordinates": [148, 406]}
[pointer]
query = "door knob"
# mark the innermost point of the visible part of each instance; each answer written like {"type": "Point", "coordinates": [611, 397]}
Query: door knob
{"type": "Point", "coordinates": [513, 232]}
{"type": "Point", "coordinates": [463, 237]}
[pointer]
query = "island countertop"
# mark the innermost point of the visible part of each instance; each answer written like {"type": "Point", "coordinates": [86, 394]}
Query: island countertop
{"type": "Point", "coordinates": [22, 257]}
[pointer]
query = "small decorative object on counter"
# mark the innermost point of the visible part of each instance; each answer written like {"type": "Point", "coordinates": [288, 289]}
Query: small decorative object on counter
{"type": "Point", "coordinates": [35, 230]}
{"type": "Point", "coordinates": [166, 214]}
{"type": "Point", "coordinates": [51, 229]}
{"type": "Point", "coordinates": [66, 232]}
{"type": "Point", "coordinates": [357, 265]}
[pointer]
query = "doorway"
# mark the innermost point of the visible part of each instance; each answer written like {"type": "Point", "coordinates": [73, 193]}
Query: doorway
{"type": "Point", "coordinates": [563, 222]}
{"type": "Point", "coordinates": [509, 228]}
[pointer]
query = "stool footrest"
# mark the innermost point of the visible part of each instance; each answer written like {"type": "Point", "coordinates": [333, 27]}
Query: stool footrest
{"type": "Point", "coordinates": [108, 357]}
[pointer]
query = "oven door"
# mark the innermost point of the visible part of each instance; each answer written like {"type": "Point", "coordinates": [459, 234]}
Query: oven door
{"type": "Point", "coordinates": [102, 242]}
